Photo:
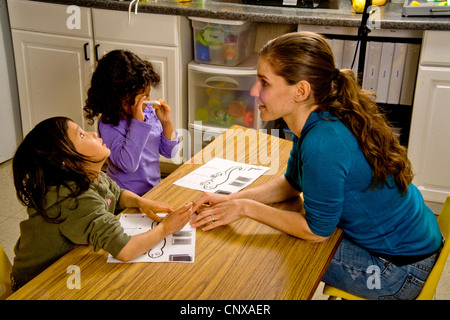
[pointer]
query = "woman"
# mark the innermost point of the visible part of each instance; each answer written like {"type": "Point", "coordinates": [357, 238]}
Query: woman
{"type": "Point", "coordinates": [352, 172]}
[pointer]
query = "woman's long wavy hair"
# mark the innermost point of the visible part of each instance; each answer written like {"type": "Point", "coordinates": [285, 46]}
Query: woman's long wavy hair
{"type": "Point", "coordinates": [118, 78]}
{"type": "Point", "coordinates": [47, 158]}
{"type": "Point", "coordinates": [307, 56]}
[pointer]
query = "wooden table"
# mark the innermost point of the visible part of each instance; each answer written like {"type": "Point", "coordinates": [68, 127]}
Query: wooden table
{"type": "Point", "coordinates": [244, 260]}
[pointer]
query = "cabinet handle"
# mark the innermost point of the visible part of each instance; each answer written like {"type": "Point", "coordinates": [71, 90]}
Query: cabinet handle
{"type": "Point", "coordinates": [85, 51]}
{"type": "Point", "coordinates": [96, 52]}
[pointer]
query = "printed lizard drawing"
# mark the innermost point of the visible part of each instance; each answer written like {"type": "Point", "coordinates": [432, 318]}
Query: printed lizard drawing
{"type": "Point", "coordinates": [218, 178]}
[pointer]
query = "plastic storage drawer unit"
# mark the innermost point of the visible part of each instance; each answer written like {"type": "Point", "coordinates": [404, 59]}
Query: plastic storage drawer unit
{"type": "Point", "coordinates": [220, 96]}
{"type": "Point", "coordinates": [223, 42]}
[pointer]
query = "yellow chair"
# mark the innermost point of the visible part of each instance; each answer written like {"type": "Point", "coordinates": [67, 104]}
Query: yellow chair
{"type": "Point", "coordinates": [5, 271]}
{"type": "Point", "coordinates": [430, 285]}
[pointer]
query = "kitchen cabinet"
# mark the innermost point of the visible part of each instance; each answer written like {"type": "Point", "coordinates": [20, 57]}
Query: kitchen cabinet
{"type": "Point", "coordinates": [166, 41]}
{"type": "Point", "coordinates": [10, 126]}
{"type": "Point", "coordinates": [53, 63]}
{"type": "Point", "coordinates": [163, 60]}
{"type": "Point", "coordinates": [429, 144]}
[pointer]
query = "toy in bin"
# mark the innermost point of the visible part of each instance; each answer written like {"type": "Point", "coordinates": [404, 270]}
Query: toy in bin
{"type": "Point", "coordinates": [241, 110]}
{"type": "Point", "coordinates": [237, 108]}
{"type": "Point", "coordinates": [220, 116]}
{"type": "Point", "coordinates": [213, 111]}
{"type": "Point", "coordinates": [230, 49]}
{"type": "Point", "coordinates": [201, 48]}
{"type": "Point", "coordinates": [225, 108]}
{"type": "Point", "coordinates": [249, 118]}
{"type": "Point", "coordinates": [222, 42]}
{"type": "Point", "coordinates": [209, 44]}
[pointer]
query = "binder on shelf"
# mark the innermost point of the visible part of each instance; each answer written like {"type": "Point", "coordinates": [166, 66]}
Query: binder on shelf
{"type": "Point", "coordinates": [348, 55]}
{"type": "Point", "coordinates": [372, 67]}
{"type": "Point", "coordinates": [330, 43]}
{"type": "Point", "coordinates": [337, 46]}
{"type": "Point", "coordinates": [397, 70]}
{"type": "Point", "coordinates": [409, 75]}
{"type": "Point", "coordinates": [384, 74]}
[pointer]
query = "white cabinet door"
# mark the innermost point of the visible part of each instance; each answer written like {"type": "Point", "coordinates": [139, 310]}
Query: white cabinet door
{"type": "Point", "coordinates": [429, 144]}
{"type": "Point", "coordinates": [53, 74]}
{"type": "Point", "coordinates": [436, 49]}
{"type": "Point", "coordinates": [143, 28]}
{"type": "Point", "coordinates": [165, 62]}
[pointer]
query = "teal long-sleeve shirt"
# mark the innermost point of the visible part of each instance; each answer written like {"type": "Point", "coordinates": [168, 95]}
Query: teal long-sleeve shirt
{"type": "Point", "coordinates": [328, 166]}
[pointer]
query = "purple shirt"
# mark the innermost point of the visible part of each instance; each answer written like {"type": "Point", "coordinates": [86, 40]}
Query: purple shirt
{"type": "Point", "coordinates": [135, 148]}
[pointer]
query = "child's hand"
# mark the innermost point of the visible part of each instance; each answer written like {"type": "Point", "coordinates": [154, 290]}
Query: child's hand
{"type": "Point", "coordinates": [137, 111]}
{"type": "Point", "coordinates": [176, 220]}
{"type": "Point", "coordinates": [163, 112]}
{"type": "Point", "coordinates": [149, 207]}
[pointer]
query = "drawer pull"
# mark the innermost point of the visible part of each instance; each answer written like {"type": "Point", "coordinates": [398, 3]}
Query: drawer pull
{"type": "Point", "coordinates": [221, 82]}
{"type": "Point", "coordinates": [85, 51]}
{"type": "Point", "coordinates": [96, 52]}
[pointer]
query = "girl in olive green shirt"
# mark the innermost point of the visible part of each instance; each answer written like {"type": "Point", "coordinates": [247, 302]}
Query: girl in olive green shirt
{"type": "Point", "coordinates": [57, 175]}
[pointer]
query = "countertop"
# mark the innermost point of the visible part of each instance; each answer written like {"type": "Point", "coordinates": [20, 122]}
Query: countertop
{"type": "Point", "coordinates": [340, 13]}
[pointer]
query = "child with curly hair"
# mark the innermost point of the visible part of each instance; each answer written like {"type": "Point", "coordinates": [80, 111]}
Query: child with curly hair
{"type": "Point", "coordinates": [136, 133]}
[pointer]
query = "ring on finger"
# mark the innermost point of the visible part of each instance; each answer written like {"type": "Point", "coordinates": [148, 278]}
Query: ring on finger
{"type": "Point", "coordinates": [212, 218]}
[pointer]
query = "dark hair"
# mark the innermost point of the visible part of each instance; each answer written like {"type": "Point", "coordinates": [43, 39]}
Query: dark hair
{"type": "Point", "coordinates": [307, 56]}
{"type": "Point", "coordinates": [47, 158]}
{"type": "Point", "coordinates": [118, 78]}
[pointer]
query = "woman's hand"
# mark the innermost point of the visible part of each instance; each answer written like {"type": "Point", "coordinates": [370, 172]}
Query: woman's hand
{"type": "Point", "coordinates": [202, 205]}
{"type": "Point", "coordinates": [218, 212]}
{"type": "Point", "coordinates": [208, 199]}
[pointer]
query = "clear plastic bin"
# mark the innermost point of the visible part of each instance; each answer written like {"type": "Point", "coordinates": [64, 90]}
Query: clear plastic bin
{"type": "Point", "coordinates": [223, 42]}
{"type": "Point", "coordinates": [220, 96]}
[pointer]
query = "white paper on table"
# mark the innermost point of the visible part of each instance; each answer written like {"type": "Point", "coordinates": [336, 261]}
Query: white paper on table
{"type": "Point", "coordinates": [222, 176]}
{"type": "Point", "coordinates": [177, 247]}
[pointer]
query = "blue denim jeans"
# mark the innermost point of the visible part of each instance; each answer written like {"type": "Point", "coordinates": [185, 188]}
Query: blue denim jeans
{"type": "Point", "coordinates": [355, 270]}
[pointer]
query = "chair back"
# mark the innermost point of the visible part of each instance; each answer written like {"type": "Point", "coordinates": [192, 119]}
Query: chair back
{"type": "Point", "coordinates": [5, 272]}
{"type": "Point", "coordinates": [430, 286]}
